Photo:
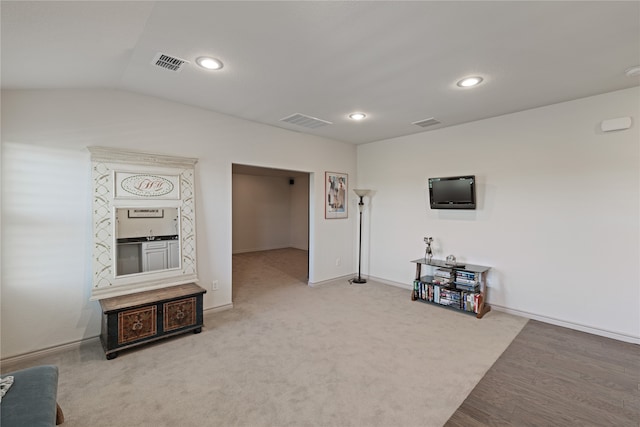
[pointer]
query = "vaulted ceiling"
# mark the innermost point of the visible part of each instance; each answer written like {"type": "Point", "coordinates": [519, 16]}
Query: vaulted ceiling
{"type": "Point", "coordinates": [398, 62]}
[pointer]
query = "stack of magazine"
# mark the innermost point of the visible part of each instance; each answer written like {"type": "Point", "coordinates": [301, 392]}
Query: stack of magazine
{"type": "Point", "coordinates": [467, 281]}
{"type": "Point", "coordinates": [443, 276]}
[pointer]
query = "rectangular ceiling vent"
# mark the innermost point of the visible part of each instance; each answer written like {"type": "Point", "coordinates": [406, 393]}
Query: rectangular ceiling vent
{"type": "Point", "coordinates": [167, 62]}
{"type": "Point", "coordinates": [305, 121]}
{"type": "Point", "coordinates": [426, 122]}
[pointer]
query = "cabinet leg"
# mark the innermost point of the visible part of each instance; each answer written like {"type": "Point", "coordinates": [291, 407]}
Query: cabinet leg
{"type": "Point", "coordinates": [484, 310]}
{"type": "Point", "coordinates": [59, 415]}
{"type": "Point", "coordinates": [111, 356]}
{"type": "Point", "coordinates": [197, 330]}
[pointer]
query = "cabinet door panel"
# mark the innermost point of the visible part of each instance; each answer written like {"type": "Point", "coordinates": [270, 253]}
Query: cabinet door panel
{"type": "Point", "coordinates": [179, 314]}
{"type": "Point", "coordinates": [137, 324]}
{"type": "Point", "coordinates": [155, 259]}
{"type": "Point", "coordinates": [174, 254]}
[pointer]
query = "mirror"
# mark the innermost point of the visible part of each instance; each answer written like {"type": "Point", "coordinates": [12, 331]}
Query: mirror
{"type": "Point", "coordinates": [146, 239]}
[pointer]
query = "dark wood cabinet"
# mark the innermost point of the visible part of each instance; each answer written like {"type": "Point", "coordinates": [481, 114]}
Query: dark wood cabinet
{"type": "Point", "coordinates": [135, 319]}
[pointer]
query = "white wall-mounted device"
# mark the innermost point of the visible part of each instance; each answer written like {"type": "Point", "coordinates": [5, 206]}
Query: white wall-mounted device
{"type": "Point", "coordinates": [621, 123]}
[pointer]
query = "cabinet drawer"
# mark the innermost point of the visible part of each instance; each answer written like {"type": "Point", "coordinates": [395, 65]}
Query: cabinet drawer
{"type": "Point", "coordinates": [179, 314]}
{"type": "Point", "coordinates": [154, 245]}
{"type": "Point", "coordinates": [137, 324]}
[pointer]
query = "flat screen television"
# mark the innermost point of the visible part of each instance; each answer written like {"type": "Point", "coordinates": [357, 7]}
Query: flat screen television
{"type": "Point", "coordinates": [455, 192]}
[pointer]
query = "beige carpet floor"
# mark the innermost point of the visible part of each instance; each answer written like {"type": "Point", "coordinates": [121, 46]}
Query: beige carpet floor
{"type": "Point", "coordinates": [292, 355]}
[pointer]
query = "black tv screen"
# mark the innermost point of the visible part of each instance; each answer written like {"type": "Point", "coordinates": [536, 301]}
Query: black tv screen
{"type": "Point", "coordinates": [456, 192]}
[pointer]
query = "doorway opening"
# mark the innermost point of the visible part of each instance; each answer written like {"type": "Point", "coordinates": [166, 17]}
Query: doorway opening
{"type": "Point", "coordinates": [270, 228]}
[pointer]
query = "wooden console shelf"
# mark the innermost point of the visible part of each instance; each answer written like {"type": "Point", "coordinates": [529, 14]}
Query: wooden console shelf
{"type": "Point", "coordinates": [461, 287]}
{"type": "Point", "coordinates": [135, 319]}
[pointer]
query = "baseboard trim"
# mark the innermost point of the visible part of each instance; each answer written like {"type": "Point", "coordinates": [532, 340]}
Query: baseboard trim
{"type": "Point", "coordinates": [9, 362]}
{"type": "Point", "coordinates": [546, 319]}
{"type": "Point", "coordinates": [392, 283]}
{"type": "Point", "coordinates": [218, 308]}
{"type": "Point", "coordinates": [20, 359]}
{"type": "Point", "coordinates": [566, 324]}
{"type": "Point", "coordinates": [335, 279]}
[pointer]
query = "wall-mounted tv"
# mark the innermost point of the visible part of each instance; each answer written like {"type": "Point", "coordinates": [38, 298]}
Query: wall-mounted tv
{"type": "Point", "coordinates": [455, 192]}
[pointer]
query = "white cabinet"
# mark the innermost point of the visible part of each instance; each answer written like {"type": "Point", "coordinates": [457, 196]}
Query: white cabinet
{"type": "Point", "coordinates": [155, 256]}
{"type": "Point", "coordinates": [174, 254]}
{"type": "Point", "coordinates": [160, 255]}
{"type": "Point", "coordinates": [128, 257]}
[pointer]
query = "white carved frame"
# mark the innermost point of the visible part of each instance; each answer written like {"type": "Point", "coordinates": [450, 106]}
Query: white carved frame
{"type": "Point", "coordinates": [105, 163]}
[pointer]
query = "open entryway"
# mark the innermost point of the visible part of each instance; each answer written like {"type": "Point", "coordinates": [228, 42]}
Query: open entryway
{"type": "Point", "coordinates": [270, 227]}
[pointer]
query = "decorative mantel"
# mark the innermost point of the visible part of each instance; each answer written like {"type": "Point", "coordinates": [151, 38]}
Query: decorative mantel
{"type": "Point", "coordinates": [141, 182]}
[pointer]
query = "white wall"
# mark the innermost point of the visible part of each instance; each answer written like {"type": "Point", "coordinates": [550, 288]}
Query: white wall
{"type": "Point", "coordinates": [269, 213]}
{"type": "Point", "coordinates": [299, 227]}
{"type": "Point", "coordinates": [46, 198]}
{"type": "Point", "coordinates": [558, 216]}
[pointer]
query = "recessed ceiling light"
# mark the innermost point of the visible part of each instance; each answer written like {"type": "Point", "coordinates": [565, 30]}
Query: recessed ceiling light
{"type": "Point", "coordinates": [470, 81]}
{"type": "Point", "coordinates": [357, 116]}
{"type": "Point", "coordinates": [209, 63]}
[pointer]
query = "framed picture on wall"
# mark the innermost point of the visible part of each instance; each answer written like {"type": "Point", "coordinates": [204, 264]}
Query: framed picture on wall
{"type": "Point", "coordinates": [146, 213]}
{"type": "Point", "coordinates": [335, 195]}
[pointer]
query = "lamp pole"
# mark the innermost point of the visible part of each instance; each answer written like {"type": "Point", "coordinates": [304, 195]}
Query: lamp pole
{"type": "Point", "coordinates": [361, 194]}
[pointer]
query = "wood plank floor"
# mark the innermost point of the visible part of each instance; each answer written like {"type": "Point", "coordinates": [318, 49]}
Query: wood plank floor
{"type": "Point", "coordinates": [553, 376]}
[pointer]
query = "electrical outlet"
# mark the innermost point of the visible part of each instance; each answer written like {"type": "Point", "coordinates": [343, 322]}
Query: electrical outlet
{"type": "Point", "coordinates": [338, 261]}
{"type": "Point", "coordinates": [214, 285]}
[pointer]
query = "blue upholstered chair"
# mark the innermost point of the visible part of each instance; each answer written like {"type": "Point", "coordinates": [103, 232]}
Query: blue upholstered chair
{"type": "Point", "coordinates": [31, 399]}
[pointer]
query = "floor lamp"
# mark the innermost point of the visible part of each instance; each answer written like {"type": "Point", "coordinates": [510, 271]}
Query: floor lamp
{"type": "Point", "coordinates": [361, 194]}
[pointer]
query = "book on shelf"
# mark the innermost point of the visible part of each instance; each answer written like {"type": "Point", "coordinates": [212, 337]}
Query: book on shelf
{"type": "Point", "coordinates": [466, 287]}
{"type": "Point", "coordinates": [424, 291]}
{"type": "Point", "coordinates": [471, 302]}
{"type": "Point", "coordinates": [470, 275]}
{"type": "Point", "coordinates": [450, 293]}
{"type": "Point", "coordinates": [443, 272]}
{"type": "Point", "coordinates": [456, 290]}
{"type": "Point", "coordinates": [449, 303]}
{"type": "Point", "coordinates": [441, 281]}
{"type": "Point", "coordinates": [468, 303]}
{"type": "Point", "coordinates": [448, 297]}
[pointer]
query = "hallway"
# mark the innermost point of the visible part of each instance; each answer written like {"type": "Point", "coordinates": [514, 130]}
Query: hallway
{"type": "Point", "coordinates": [255, 273]}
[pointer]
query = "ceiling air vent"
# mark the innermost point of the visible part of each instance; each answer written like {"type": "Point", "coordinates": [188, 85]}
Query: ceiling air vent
{"type": "Point", "coordinates": [305, 121]}
{"type": "Point", "coordinates": [426, 122]}
{"type": "Point", "coordinates": [167, 62]}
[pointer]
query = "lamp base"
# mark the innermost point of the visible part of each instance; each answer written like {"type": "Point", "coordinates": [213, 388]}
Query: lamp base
{"type": "Point", "coordinates": [358, 280]}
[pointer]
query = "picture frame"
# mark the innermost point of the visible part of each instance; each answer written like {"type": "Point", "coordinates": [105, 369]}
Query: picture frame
{"type": "Point", "coordinates": [336, 191]}
{"type": "Point", "coordinates": [145, 213]}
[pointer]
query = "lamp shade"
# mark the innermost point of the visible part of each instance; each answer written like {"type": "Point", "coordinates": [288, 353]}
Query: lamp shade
{"type": "Point", "coordinates": [361, 193]}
